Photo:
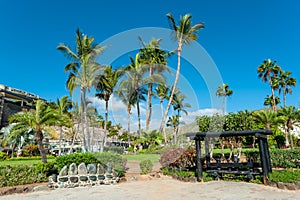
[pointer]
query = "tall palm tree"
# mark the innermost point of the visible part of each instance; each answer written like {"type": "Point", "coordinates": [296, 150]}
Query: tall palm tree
{"type": "Point", "coordinates": [39, 120]}
{"type": "Point", "coordinates": [83, 71]}
{"type": "Point", "coordinates": [156, 60]}
{"type": "Point", "coordinates": [136, 80]}
{"type": "Point", "coordinates": [291, 118]}
{"type": "Point", "coordinates": [285, 82]}
{"type": "Point", "coordinates": [224, 91]}
{"type": "Point", "coordinates": [162, 92]}
{"type": "Point", "coordinates": [268, 72]}
{"type": "Point", "coordinates": [105, 86]}
{"type": "Point", "coordinates": [63, 106]}
{"type": "Point", "coordinates": [184, 33]}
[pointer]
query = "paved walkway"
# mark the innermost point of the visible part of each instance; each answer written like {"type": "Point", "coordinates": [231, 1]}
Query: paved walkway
{"type": "Point", "coordinates": [163, 188]}
{"type": "Point", "coordinates": [145, 187]}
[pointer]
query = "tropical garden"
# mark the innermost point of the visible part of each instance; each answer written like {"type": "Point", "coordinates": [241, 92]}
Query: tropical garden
{"type": "Point", "coordinates": [141, 81]}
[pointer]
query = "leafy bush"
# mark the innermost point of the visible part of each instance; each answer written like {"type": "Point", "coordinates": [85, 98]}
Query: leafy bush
{"type": "Point", "coordinates": [146, 166]}
{"type": "Point", "coordinates": [115, 160]}
{"type": "Point", "coordinates": [24, 174]}
{"type": "Point", "coordinates": [32, 149]}
{"type": "Point", "coordinates": [285, 158]}
{"type": "Point", "coordinates": [170, 156]}
{"type": "Point", "coordinates": [179, 158]}
{"type": "Point", "coordinates": [46, 168]}
{"type": "Point", "coordinates": [3, 156]}
{"type": "Point", "coordinates": [288, 176]}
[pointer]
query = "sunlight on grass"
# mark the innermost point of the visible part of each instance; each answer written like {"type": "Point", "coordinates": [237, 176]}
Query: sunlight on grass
{"type": "Point", "coordinates": [22, 162]}
{"type": "Point", "coordinates": [139, 157]}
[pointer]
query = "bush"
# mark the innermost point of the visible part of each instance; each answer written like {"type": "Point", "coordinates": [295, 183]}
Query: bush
{"type": "Point", "coordinates": [24, 174]}
{"type": "Point", "coordinates": [285, 158]}
{"type": "Point", "coordinates": [179, 158]}
{"type": "Point", "coordinates": [146, 166]}
{"type": "Point", "coordinates": [288, 176]}
{"type": "Point", "coordinates": [115, 160]}
{"type": "Point", "coordinates": [46, 168]}
{"type": "Point", "coordinates": [3, 156]}
{"type": "Point", "coordinates": [170, 156]}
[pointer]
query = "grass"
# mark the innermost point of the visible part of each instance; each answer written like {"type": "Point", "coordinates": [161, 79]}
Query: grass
{"type": "Point", "coordinates": [22, 162]}
{"type": "Point", "coordinates": [140, 157]}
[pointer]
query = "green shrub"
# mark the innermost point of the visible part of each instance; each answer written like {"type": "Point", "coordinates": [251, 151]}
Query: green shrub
{"type": "Point", "coordinates": [46, 168]}
{"type": "Point", "coordinates": [288, 176]}
{"type": "Point", "coordinates": [3, 156]}
{"type": "Point", "coordinates": [21, 174]}
{"type": "Point", "coordinates": [285, 158]}
{"type": "Point", "coordinates": [146, 166]}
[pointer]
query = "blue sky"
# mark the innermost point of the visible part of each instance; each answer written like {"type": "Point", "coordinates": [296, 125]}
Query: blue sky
{"type": "Point", "coordinates": [238, 36]}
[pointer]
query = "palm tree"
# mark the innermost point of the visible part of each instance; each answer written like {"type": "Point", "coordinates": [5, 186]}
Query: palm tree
{"type": "Point", "coordinates": [291, 118]}
{"type": "Point", "coordinates": [136, 80]}
{"type": "Point", "coordinates": [268, 72]}
{"type": "Point", "coordinates": [162, 92]}
{"type": "Point", "coordinates": [39, 120]}
{"type": "Point", "coordinates": [285, 81]}
{"type": "Point", "coordinates": [156, 60]}
{"type": "Point", "coordinates": [267, 118]}
{"type": "Point", "coordinates": [63, 106]}
{"type": "Point", "coordinates": [224, 91]}
{"type": "Point", "coordinates": [83, 71]}
{"type": "Point", "coordinates": [269, 101]}
{"type": "Point", "coordinates": [184, 33]}
{"type": "Point", "coordinates": [105, 86]}
{"type": "Point", "coordinates": [173, 122]}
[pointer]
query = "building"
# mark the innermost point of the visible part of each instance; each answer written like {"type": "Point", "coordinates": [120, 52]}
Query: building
{"type": "Point", "coordinates": [13, 101]}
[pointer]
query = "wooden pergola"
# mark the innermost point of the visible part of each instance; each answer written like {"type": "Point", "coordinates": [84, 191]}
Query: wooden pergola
{"type": "Point", "coordinates": [261, 135]}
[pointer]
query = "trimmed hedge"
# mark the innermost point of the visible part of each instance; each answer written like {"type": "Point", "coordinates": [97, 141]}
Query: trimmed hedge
{"type": "Point", "coordinates": [288, 176]}
{"type": "Point", "coordinates": [24, 174]}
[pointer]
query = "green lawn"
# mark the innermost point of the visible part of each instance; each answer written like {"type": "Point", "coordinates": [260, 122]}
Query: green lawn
{"type": "Point", "coordinates": [22, 162]}
{"type": "Point", "coordinates": [139, 157]}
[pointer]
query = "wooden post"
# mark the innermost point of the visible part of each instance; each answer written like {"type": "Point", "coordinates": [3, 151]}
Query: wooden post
{"type": "Point", "coordinates": [263, 159]}
{"type": "Point", "coordinates": [199, 163]}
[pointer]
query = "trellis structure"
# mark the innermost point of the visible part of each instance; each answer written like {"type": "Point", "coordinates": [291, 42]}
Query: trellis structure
{"type": "Point", "coordinates": [220, 168]}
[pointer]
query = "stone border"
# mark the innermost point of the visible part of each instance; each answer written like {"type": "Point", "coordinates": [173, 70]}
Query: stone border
{"type": "Point", "coordinates": [285, 186]}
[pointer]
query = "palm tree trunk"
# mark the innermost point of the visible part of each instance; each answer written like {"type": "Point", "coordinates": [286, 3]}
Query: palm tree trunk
{"type": "Point", "coordinates": [105, 125]}
{"type": "Point", "coordinates": [139, 116]}
{"type": "Point", "coordinates": [128, 125]}
{"type": "Point", "coordinates": [223, 105]}
{"type": "Point", "coordinates": [149, 100]}
{"type": "Point", "coordinates": [291, 139]}
{"type": "Point", "coordinates": [284, 97]}
{"type": "Point", "coordinates": [163, 121]}
{"type": "Point", "coordinates": [273, 95]}
{"type": "Point", "coordinates": [39, 137]}
{"type": "Point", "coordinates": [162, 114]}
{"type": "Point", "coordinates": [286, 136]}
{"type": "Point", "coordinates": [85, 122]}
{"type": "Point", "coordinates": [82, 101]}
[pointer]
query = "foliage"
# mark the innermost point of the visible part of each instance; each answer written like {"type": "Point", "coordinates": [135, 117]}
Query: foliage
{"type": "Point", "coordinates": [146, 166]}
{"type": "Point", "coordinates": [170, 156]}
{"type": "Point", "coordinates": [3, 156]}
{"type": "Point", "coordinates": [115, 160]}
{"type": "Point", "coordinates": [32, 149]}
{"type": "Point", "coordinates": [288, 176]}
{"type": "Point", "coordinates": [285, 158]}
{"type": "Point", "coordinates": [179, 158]}
{"type": "Point", "coordinates": [24, 174]}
